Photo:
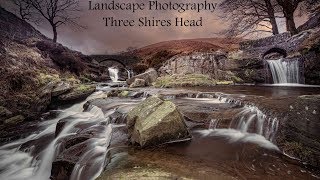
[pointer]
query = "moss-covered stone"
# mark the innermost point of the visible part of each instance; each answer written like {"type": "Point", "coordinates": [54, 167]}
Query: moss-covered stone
{"type": "Point", "coordinates": [184, 80]}
{"type": "Point", "coordinates": [155, 121]}
{"type": "Point", "coordinates": [124, 94]}
{"type": "Point", "coordinates": [79, 92]}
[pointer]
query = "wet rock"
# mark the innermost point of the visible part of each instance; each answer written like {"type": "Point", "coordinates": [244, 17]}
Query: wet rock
{"type": "Point", "coordinates": [155, 121]}
{"type": "Point", "coordinates": [14, 120]}
{"type": "Point", "coordinates": [299, 135]}
{"type": "Point", "coordinates": [138, 83]}
{"type": "Point", "coordinates": [50, 115]}
{"type": "Point", "coordinates": [35, 146]}
{"type": "Point", "coordinates": [61, 170]}
{"type": "Point", "coordinates": [149, 76]}
{"type": "Point", "coordinates": [61, 88]}
{"type": "Point", "coordinates": [77, 93]}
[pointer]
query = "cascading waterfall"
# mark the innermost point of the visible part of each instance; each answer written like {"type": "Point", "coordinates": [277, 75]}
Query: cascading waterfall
{"type": "Point", "coordinates": [252, 120]}
{"type": "Point", "coordinates": [284, 72]}
{"type": "Point", "coordinates": [249, 125]}
{"type": "Point", "coordinates": [114, 74]}
{"type": "Point", "coordinates": [17, 163]}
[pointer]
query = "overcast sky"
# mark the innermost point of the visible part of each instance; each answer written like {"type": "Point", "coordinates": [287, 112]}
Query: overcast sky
{"type": "Point", "coordinates": [97, 38]}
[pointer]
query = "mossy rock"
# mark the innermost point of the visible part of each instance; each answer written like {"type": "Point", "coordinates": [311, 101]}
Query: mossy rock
{"type": "Point", "coordinates": [154, 122]}
{"type": "Point", "coordinates": [188, 80]}
{"type": "Point", "coordinates": [124, 94]}
{"type": "Point", "coordinates": [79, 92]}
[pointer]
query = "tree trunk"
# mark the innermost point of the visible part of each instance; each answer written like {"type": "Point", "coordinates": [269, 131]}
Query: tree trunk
{"type": "Point", "coordinates": [55, 33]}
{"type": "Point", "coordinates": [291, 26]}
{"type": "Point", "coordinates": [288, 8]}
{"type": "Point", "coordinates": [272, 18]}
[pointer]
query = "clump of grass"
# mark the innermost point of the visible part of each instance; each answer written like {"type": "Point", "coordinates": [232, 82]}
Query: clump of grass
{"type": "Point", "coordinates": [44, 78]}
{"type": "Point", "coordinates": [188, 80]}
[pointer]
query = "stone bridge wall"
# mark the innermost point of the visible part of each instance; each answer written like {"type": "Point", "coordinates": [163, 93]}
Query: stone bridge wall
{"type": "Point", "coordinates": [272, 40]}
{"type": "Point", "coordinates": [126, 61]}
{"type": "Point", "coordinates": [290, 44]}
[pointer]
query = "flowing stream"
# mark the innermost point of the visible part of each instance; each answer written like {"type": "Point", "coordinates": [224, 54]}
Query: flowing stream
{"type": "Point", "coordinates": [35, 156]}
{"type": "Point", "coordinates": [23, 163]}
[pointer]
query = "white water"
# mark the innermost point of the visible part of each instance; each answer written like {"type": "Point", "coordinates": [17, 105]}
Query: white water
{"type": "Point", "coordinates": [249, 125]}
{"type": "Point", "coordinates": [15, 164]}
{"type": "Point", "coordinates": [114, 74]}
{"type": "Point", "coordinates": [284, 71]}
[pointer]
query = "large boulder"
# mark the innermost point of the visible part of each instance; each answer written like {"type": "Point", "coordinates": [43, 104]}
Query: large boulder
{"type": "Point", "coordinates": [61, 88]}
{"type": "Point", "coordinates": [155, 121]}
{"type": "Point", "coordinates": [138, 83]}
{"type": "Point", "coordinates": [77, 93]}
{"type": "Point", "coordinates": [149, 76]}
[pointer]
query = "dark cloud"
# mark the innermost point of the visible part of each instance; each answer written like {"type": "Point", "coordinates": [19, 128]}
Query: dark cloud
{"type": "Point", "coordinates": [97, 38]}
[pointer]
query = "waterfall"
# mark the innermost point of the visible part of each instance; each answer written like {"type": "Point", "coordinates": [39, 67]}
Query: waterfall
{"type": "Point", "coordinates": [16, 163]}
{"type": "Point", "coordinates": [284, 71]}
{"type": "Point", "coordinates": [249, 125]}
{"type": "Point", "coordinates": [253, 120]}
{"type": "Point", "coordinates": [113, 72]}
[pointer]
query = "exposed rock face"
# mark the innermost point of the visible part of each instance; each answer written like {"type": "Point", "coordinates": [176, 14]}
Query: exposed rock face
{"type": "Point", "coordinates": [77, 93]}
{"type": "Point", "coordinates": [138, 83]}
{"type": "Point", "coordinates": [313, 22]}
{"type": "Point", "coordinates": [299, 135]}
{"type": "Point", "coordinates": [217, 66]}
{"type": "Point", "coordinates": [149, 76]}
{"type": "Point", "coordinates": [155, 121]}
{"type": "Point", "coordinates": [61, 88]}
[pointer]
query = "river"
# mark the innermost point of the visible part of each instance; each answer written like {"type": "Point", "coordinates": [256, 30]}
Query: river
{"type": "Point", "coordinates": [237, 145]}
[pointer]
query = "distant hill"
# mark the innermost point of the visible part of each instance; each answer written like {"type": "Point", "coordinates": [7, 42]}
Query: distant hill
{"type": "Point", "coordinates": [153, 55]}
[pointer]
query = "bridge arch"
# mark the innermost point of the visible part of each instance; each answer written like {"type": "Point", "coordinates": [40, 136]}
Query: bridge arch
{"type": "Point", "coordinates": [112, 59]}
{"type": "Point", "coordinates": [275, 50]}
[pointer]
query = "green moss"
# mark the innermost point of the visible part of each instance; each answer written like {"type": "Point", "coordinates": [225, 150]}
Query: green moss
{"type": "Point", "coordinates": [44, 78]}
{"type": "Point", "coordinates": [124, 94]}
{"type": "Point", "coordinates": [83, 88]}
{"type": "Point", "coordinates": [236, 79]}
{"type": "Point", "coordinates": [184, 80]}
{"type": "Point", "coordinates": [84, 79]}
{"type": "Point", "coordinates": [71, 79]}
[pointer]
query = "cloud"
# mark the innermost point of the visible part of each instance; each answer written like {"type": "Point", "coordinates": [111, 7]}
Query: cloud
{"type": "Point", "coordinates": [97, 38]}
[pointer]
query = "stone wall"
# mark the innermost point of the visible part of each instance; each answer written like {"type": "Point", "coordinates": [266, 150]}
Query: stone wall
{"type": "Point", "coordinates": [258, 48]}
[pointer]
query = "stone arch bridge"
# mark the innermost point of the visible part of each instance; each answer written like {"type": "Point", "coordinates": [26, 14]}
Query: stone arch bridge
{"type": "Point", "coordinates": [283, 44]}
{"type": "Point", "coordinates": [122, 61]}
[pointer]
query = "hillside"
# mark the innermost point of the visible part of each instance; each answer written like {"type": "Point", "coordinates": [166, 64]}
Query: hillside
{"type": "Point", "coordinates": [153, 55]}
{"type": "Point", "coordinates": [35, 73]}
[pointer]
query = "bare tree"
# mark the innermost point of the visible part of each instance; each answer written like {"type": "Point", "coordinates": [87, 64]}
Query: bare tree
{"type": "Point", "coordinates": [55, 12]}
{"type": "Point", "coordinates": [250, 16]}
{"type": "Point", "coordinates": [24, 9]}
{"type": "Point", "coordinates": [288, 9]}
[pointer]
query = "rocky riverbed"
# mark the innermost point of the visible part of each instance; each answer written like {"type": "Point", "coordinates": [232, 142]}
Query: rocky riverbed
{"type": "Point", "coordinates": [233, 136]}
